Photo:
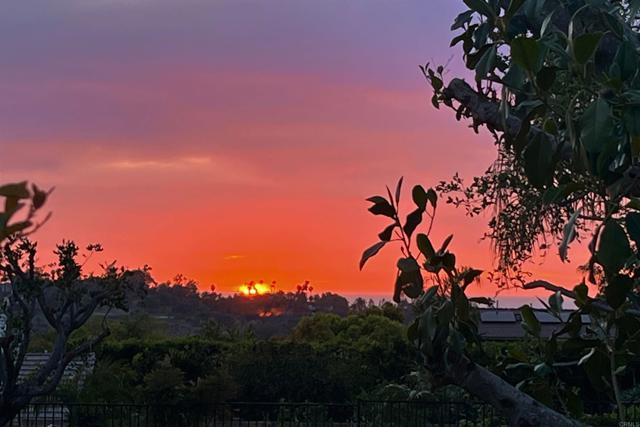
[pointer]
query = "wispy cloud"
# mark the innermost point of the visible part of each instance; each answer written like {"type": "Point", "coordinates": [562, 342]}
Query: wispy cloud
{"type": "Point", "coordinates": [152, 164]}
{"type": "Point", "coordinates": [219, 169]}
{"type": "Point", "coordinates": [233, 257]}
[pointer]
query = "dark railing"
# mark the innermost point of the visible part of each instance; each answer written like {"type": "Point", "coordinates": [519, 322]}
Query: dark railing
{"type": "Point", "coordinates": [359, 414]}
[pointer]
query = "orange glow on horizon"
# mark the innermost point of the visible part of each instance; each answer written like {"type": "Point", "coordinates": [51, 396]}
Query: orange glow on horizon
{"type": "Point", "coordinates": [168, 146]}
{"type": "Point", "coordinates": [252, 289]}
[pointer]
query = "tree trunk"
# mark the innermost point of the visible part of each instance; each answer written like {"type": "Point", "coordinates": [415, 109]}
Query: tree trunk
{"type": "Point", "coordinates": [520, 409]}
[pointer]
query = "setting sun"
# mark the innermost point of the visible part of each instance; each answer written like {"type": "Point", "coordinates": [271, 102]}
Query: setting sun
{"type": "Point", "coordinates": [252, 288]}
{"type": "Point", "coordinates": [447, 193]}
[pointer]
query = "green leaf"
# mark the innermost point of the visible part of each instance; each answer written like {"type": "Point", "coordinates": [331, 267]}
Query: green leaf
{"type": "Point", "coordinates": [449, 261]}
{"type": "Point", "coordinates": [430, 293]}
{"type": "Point", "coordinates": [529, 320]}
{"type": "Point", "coordinates": [372, 251]}
{"type": "Point", "coordinates": [634, 203]}
{"type": "Point", "coordinates": [11, 206]}
{"type": "Point", "coordinates": [470, 275]}
{"type": "Point", "coordinates": [445, 244]}
{"type": "Point", "coordinates": [613, 247]}
{"type": "Point", "coordinates": [383, 208]}
{"type": "Point", "coordinates": [18, 190]}
{"type": "Point", "coordinates": [410, 283]}
{"type": "Point", "coordinates": [39, 197]}
{"type": "Point", "coordinates": [462, 19]}
{"type": "Point", "coordinates": [461, 302]}
{"type": "Point", "coordinates": [597, 126]}
{"type": "Point", "coordinates": [627, 59]}
{"type": "Point", "coordinates": [377, 200]}
{"type": "Point", "coordinates": [572, 326]}
{"type": "Point", "coordinates": [545, 24]}
{"type": "Point", "coordinates": [425, 246]}
{"type": "Point", "coordinates": [419, 196]}
{"type": "Point", "coordinates": [481, 7]}
{"type": "Point", "coordinates": [526, 53]}
{"type": "Point", "coordinates": [474, 57]}
{"type": "Point", "coordinates": [545, 78]}
{"type": "Point", "coordinates": [464, 37]}
{"type": "Point", "coordinates": [413, 220]}
{"type": "Point", "coordinates": [514, 78]}
{"type": "Point", "coordinates": [584, 46]}
{"type": "Point", "coordinates": [428, 330]}
{"type": "Point", "coordinates": [514, 6]}
{"type": "Point", "coordinates": [538, 161]}
{"type": "Point", "coordinates": [555, 302]}
{"type": "Point", "coordinates": [486, 64]}
{"type": "Point", "coordinates": [617, 289]}
{"type": "Point", "coordinates": [385, 235]}
{"type": "Point", "coordinates": [582, 294]}
{"type": "Point", "coordinates": [408, 265]}
{"type": "Point", "coordinates": [568, 234]}
{"type": "Point", "coordinates": [432, 196]}
{"type": "Point", "coordinates": [398, 190]}
{"type": "Point", "coordinates": [632, 222]}
{"type": "Point", "coordinates": [445, 313]}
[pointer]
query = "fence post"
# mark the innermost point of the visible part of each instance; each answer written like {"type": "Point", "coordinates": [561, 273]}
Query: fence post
{"type": "Point", "coordinates": [358, 413]}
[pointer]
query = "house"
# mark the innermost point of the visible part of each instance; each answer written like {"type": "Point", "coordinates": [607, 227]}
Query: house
{"type": "Point", "coordinates": [75, 373]}
{"type": "Point", "coordinates": [498, 324]}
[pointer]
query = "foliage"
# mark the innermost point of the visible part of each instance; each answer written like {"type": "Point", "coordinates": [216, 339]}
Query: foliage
{"type": "Point", "coordinates": [556, 84]}
{"type": "Point", "coordinates": [66, 298]}
{"type": "Point", "coordinates": [351, 357]}
{"type": "Point", "coordinates": [445, 330]}
{"type": "Point", "coordinates": [164, 382]}
{"type": "Point", "coordinates": [269, 314]}
{"type": "Point", "coordinates": [385, 308]}
{"type": "Point", "coordinates": [110, 382]}
{"type": "Point", "coordinates": [447, 324]}
{"type": "Point", "coordinates": [21, 205]}
{"type": "Point", "coordinates": [62, 294]}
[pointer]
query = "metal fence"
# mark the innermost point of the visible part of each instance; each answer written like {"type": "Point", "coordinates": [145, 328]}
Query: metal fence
{"type": "Point", "coordinates": [359, 414]}
{"type": "Point", "coordinates": [252, 414]}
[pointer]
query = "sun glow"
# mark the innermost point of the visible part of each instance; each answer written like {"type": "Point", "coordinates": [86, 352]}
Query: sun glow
{"type": "Point", "coordinates": [252, 289]}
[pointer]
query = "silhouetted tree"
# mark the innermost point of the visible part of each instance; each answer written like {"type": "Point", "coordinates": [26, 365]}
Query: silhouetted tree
{"type": "Point", "coordinates": [64, 296]}
{"type": "Point", "coordinates": [556, 84]}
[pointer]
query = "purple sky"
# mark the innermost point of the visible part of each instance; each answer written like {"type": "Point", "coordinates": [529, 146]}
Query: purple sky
{"type": "Point", "coordinates": [233, 140]}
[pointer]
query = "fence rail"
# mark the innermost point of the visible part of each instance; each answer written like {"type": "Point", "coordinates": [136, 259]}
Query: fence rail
{"type": "Point", "coordinates": [358, 414]}
{"type": "Point", "coordinates": [266, 414]}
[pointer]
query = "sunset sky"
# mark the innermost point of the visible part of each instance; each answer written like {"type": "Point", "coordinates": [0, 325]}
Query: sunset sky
{"type": "Point", "coordinates": [235, 140]}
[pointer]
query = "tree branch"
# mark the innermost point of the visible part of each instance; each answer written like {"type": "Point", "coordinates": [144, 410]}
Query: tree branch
{"type": "Point", "coordinates": [50, 385]}
{"type": "Point", "coordinates": [486, 111]}
{"type": "Point", "coordinates": [594, 302]}
{"type": "Point", "coordinates": [519, 408]}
